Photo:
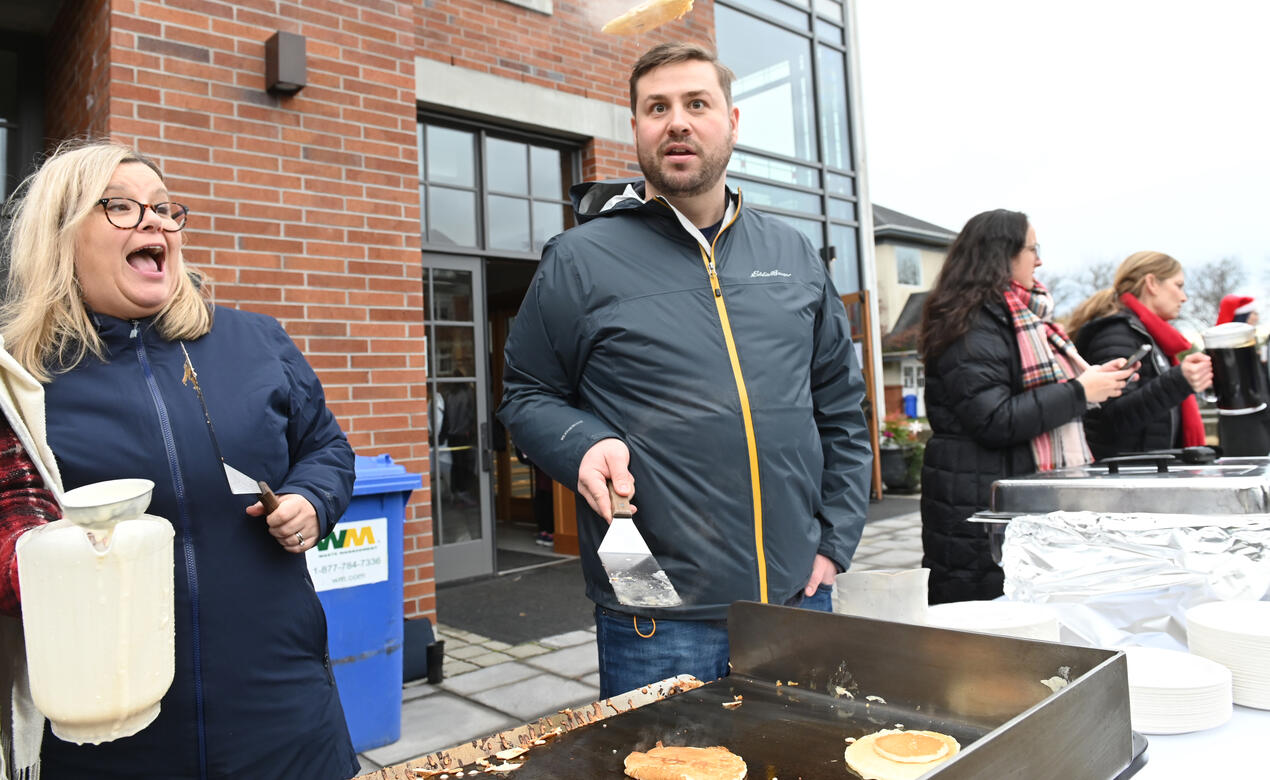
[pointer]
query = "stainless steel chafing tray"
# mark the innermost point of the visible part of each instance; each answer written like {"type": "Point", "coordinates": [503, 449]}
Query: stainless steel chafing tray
{"type": "Point", "coordinates": [1159, 484]}
{"type": "Point", "coordinates": [807, 681]}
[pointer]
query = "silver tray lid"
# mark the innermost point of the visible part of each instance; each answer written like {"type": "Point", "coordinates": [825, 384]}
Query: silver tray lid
{"type": "Point", "coordinates": [1225, 486]}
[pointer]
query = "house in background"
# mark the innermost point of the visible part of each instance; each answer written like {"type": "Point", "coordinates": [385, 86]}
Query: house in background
{"type": "Point", "coordinates": [909, 253]}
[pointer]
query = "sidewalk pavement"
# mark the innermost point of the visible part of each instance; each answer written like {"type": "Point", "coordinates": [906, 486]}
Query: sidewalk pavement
{"type": "Point", "coordinates": [490, 686]}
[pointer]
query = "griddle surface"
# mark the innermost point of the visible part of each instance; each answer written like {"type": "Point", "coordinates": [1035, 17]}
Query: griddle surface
{"type": "Point", "coordinates": [781, 732]}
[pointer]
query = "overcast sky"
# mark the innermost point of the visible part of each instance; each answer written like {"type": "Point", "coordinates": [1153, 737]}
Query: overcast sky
{"type": "Point", "coordinates": [1117, 125]}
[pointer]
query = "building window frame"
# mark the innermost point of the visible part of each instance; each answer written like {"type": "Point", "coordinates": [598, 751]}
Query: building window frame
{"type": "Point", "coordinates": [481, 132]}
{"type": "Point", "coordinates": [824, 23]}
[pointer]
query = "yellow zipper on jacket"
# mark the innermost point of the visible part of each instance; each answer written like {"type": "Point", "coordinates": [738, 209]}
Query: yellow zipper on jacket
{"type": "Point", "coordinates": [751, 442]}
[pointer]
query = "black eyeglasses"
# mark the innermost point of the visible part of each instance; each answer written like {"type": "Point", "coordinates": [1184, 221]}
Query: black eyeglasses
{"type": "Point", "coordinates": [126, 213]}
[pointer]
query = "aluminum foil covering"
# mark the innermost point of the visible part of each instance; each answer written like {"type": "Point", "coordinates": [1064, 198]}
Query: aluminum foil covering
{"type": "Point", "coordinates": [1127, 578]}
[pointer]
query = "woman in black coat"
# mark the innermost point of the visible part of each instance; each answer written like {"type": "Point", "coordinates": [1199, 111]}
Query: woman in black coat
{"type": "Point", "coordinates": [1157, 410]}
{"type": "Point", "coordinates": [984, 320]}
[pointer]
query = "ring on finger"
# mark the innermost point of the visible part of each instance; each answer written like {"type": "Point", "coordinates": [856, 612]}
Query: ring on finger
{"type": "Point", "coordinates": [299, 537]}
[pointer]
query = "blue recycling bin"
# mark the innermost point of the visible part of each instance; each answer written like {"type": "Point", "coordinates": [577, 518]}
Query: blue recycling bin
{"type": "Point", "coordinates": [910, 406]}
{"type": "Point", "coordinates": [357, 571]}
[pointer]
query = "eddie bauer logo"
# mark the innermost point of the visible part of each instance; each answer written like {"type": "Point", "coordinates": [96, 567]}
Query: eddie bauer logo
{"type": "Point", "coordinates": [773, 272]}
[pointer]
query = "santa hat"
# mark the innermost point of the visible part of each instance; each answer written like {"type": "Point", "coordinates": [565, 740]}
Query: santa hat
{"type": "Point", "coordinates": [1234, 305]}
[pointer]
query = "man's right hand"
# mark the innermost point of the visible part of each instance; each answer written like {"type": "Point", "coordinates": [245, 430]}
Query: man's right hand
{"type": "Point", "coordinates": [605, 462]}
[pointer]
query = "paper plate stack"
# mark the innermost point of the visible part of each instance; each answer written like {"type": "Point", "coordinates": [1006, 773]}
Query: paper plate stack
{"type": "Point", "coordinates": [1006, 618]}
{"type": "Point", "coordinates": [1235, 634]}
{"type": "Point", "coordinates": [1171, 692]}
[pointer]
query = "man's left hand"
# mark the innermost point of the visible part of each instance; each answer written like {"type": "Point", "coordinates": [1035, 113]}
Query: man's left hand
{"type": "Point", "coordinates": [823, 572]}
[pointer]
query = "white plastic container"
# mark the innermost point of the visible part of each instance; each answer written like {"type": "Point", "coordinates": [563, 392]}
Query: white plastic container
{"type": "Point", "coordinates": [898, 595]}
{"type": "Point", "coordinates": [97, 612]}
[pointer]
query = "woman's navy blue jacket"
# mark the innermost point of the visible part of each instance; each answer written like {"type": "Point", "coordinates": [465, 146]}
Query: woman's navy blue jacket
{"type": "Point", "coordinates": [253, 695]}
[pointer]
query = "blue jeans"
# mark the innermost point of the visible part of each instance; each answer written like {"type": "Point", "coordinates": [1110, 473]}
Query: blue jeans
{"type": "Point", "coordinates": [635, 650]}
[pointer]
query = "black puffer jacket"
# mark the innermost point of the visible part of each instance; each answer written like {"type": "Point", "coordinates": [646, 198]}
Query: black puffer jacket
{"type": "Point", "coordinates": [983, 423]}
{"type": "Point", "coordinates": [1146, 415]}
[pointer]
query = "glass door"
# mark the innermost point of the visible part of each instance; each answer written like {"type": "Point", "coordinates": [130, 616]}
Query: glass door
{"type": "Point", "coordinates": [459, 416]}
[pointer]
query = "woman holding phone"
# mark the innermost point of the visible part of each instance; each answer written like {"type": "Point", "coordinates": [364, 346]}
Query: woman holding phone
{"type": "Point", "coordinates": [1157, 410]}
{"type": "Point", "coordinates": [1005, 393]}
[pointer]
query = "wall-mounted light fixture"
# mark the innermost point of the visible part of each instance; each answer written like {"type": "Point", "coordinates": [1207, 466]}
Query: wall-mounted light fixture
{"type": "Point", "coordinates": [284, 63]}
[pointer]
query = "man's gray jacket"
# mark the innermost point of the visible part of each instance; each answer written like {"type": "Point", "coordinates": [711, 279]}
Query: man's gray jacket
{"type": "Point", "coordinates": [728, 372]}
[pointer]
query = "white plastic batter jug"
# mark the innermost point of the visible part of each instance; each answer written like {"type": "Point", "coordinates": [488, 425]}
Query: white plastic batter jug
{"type": "Point", "coordinates": [97, 612]}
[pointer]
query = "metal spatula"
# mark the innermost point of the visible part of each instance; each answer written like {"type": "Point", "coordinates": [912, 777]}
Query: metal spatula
{"type": "Point", "coordinates": [636, 577]}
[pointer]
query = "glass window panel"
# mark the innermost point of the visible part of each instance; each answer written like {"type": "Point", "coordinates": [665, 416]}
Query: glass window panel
{"type": "Point", "coordinates": [810, 228]}
{"type": "Point", "coordinates": [456, 457]}
{"type": "Point", "coordinates": [451, 156]}
{"type": "Point", "coordinates": [773, 8]}
{"type": "Point", "coordinates": [908, 265]}
{"type": "Point", "coordinates": [842, 209]}
{"type": "Point", "coordinates": [506, 166]}
{"type": "Point", "coordinates": [508, 223]}
{"type": "Point", "coordinates": [845, 268]}
{"type": "Point", "coordinates": [547, 168]}
{"type": "Point", "coordinates": [451, 216]}
{"type": "Point", "coordinates": [451, 295]}
{"type": "Point", "coordinates": [759, 194]}
{"type": "Point", "coordinates": [837, 184]}
{"type": "Point", "coordinates": [773, 84]}
{"type": "Point", "coordinates": [834, 124]}
{"type": "Point", "coordinates": [779, 171]}
{"type": "Point", "coordinates": [548, 221]}
{"type": "Point", "coordinates": [455, 345]}
{"type": "Point", "coordinates": [832, 33]}
{"type": "Point", "coordinates": [830, 8]}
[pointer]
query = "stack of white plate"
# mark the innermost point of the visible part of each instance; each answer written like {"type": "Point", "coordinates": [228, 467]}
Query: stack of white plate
{"type": "Point", "coordinates": [1006, 618]}
{"type": "Point", "coordinates": [1235, 634]}
{"type": "Point", "coordinates": [1171, 692]}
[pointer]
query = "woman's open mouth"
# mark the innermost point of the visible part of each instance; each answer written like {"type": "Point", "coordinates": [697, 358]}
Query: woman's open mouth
{"type": "Point", "coordinates": [148, 259]}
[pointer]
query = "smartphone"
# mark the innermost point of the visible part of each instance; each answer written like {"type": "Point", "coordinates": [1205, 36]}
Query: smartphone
{"type": "Point", "coordinates": [1137, 356]}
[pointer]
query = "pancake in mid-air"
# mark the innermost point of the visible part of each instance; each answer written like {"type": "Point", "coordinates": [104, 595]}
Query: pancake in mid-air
{"type": "Point", "coordinates": [647, 16]}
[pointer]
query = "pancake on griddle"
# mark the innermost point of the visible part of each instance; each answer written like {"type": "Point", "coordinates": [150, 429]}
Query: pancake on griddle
{"type": "Point", "coordinates": [892, 754]}
{"type": "Point", "coordinates": [685, 763]}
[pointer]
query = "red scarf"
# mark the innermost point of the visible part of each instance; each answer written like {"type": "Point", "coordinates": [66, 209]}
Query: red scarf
{"type": "Point", "coordinates": [1171, 343]}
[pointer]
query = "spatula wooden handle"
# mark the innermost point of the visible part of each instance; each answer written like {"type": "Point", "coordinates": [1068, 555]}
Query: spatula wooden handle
{"type": "Point", "coordinates": [267, 499]}
{"type": "Point", "coordinates": [621, 505]}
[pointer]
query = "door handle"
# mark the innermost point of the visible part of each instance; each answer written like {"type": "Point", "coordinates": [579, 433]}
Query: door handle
{"type": "Point", "coordinates": [487, 455]}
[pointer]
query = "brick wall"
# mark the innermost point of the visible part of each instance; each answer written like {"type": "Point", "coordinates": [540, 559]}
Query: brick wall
{"type": "Point", "coordinates": [303, 207]}
{"type": "Point", "coordinates": [564, 50]}
{"type": "Point", "coordinates": [77, 101]}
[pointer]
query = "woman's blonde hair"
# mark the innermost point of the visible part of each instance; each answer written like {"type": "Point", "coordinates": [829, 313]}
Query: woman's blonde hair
{"type": "Point", "coordinates": [46, 325]}
{"type": "Point", "coordinates": [1131, 277]}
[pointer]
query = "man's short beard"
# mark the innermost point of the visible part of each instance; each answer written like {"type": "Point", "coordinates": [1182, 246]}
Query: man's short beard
{"type": "Point", "coordinates": [713, 168]}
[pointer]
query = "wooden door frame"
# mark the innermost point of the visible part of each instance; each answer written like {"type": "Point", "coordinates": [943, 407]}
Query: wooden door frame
{"type": "Point", "coordinates": [861, 319]}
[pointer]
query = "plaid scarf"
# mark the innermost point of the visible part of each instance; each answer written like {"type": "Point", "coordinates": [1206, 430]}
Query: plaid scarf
{"type": "Point", "coordinates": [1047, 355]}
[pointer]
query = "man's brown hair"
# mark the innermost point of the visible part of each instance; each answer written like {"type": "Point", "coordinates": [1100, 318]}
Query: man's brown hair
{"type": "Point", "coordinates": [671, 53]}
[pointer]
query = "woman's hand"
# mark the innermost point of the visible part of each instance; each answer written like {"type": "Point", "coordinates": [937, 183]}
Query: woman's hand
{"type": "Point", "coordinates": [1198, 370]}
{"type": "Point", "coordinates": [294, 524]}
{"type": "Point", "coordinates": [1105, 381]}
